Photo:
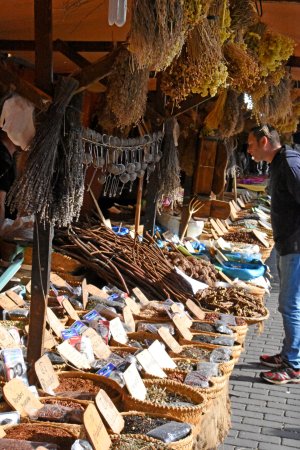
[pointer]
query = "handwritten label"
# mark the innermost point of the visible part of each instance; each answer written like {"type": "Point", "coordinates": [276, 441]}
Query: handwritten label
{"type": "Point", "coordinates": [149, 364]}
{"type": "Point", "coordinates": [2, 433]}
{"type": "Point", "coordinates": [221, 225]}
{"type": "Point", "coordinates": [96, 292]}
{"type": "Point", "coordinates": [100, 349]}
{"type": "Point", "coordinates": [70, 310]}
{"type": "Point", "coordinates": [195, 309]}
{"type": "Point", "coordinates": [54, 322]}
{"type": "Point", "coordinates": [117, 331]}
{"type": "Point", "coordinates": [20, 398]}
{"type": "Point", "coordinates": [72, 355]}
{"type": "Point", "coordinates": [140, 296]}
{"type": "Point", "coordinates": [161, 356]}
{"type": "Point", "coordinates": [261, 237]}
{"type": "Point", "coordinates": [6, 303]}
{"type": "Point", "coordinates": [216, 227]}
{"type": "Point", "coordinates": [58, 281]}
{"type": "Point", "coordinates": [85, 294]}
{"type": "Point", "coordinates": [135, 308]}
{"type": "Point", "coordinates": [182, 328]}
{"type": "Point", "coordinates": [134, 383]}
{"type": "Point", "coordinates": [169, 340]}
{"type": "Point", "coordinates": [46, 375]}
{"type": "Point", "coordinates": [18, 299]}
{"type": "Point", "coordinates": [109, 412]}
{"type": "Point", "coordinates": [95, 429]}
{"type": "Point", "coordinates": [128, 319]}
{"type": "Point", "coordinates": [6, 339]}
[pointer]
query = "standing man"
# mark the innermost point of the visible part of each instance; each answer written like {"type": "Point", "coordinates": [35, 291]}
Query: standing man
{"type": "Point", "coordinates": [7, 174]}
{"type": "Point", "coordinates": [264, 145]}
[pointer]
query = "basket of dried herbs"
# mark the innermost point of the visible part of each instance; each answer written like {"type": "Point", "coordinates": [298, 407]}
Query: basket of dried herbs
{"type": "Point", "coordinates": [240, 331]}
{"type": "Point", "coordinates": [128, 442]}
{"type": "Point", "coordinates": [236, 349]}
{"type": "Point", "coordinates": [169, 397]}
{"type": "Point", "coordinates": [139, 424]}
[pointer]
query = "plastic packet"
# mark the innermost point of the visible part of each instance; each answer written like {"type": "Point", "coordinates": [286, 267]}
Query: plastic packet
{"type": "Point", "coordinates": [9, 418]}
{"type": "Point", "coordinates": [227, 319]}
{"type": "Point", "coordinates": [219, 355]}
{"type": "Point", "coordinates": [14, 364]}
{"type": "Point", "coordinates": [79, 326]}
{"type": "Point", "coordinates": [13, 314]}
{"type": "Point", "coordinates": [208, 327]}
{"type": "Point", "coordinates": [102, 328]}
{"type": "Point", "coordinates": [196, 378]}
{"type": "Point", "coordinates": [80, 444]}
{"type": "Point", "coordinates": [154, 327]}
{"type": "Point", "coordinates": [170, 432]}
{"type": "Point", "coordinates": [59, 413]}
{"type": "Point", "coordinates": [221, 327]}
{"type": "Point", "coordinates": [55, 358]}
{"type": "Point", "coordinates": [203, 338]}
{"type": "Point", "coordinates": [208, 368]}
{"type": "Point", "coordinates": [92, 315]}
{"type": "Point", "coordinates": [222, 340]}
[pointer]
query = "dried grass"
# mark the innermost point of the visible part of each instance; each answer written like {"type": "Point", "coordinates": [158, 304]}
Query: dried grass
{"type": "Point", "coordinates": [233, 118]}
{"type": "Point", "coordinates": [243, 69]}
{"type": "Point", "coordinates": [243, 14]}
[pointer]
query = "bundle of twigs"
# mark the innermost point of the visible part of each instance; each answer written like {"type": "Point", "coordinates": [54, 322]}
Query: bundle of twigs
{"type": "Point", "coordinates": [52, 182]}
{"type": "Point", "coordinates": [169, 164]}
{"type": "Point", "coordinates": [243, 14]}
{"type": "Point", "coordinates": [124, 262]}
{"type": "Point", "coordinates": [127, 89]}
{"type": "Point", "coordinates": [157, 32]}
{"type": "Point", "coordinates": [200, 67]}
{"type": "Point", "coordinates": [243, 69]}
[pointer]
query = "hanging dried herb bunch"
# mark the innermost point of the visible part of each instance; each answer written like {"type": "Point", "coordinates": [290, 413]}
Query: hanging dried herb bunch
{"type": "Point", "coordinates": [52, 182]}
{"type": "Point", "coordinates": [195, 10]}
{"type": "Point", "coordinates": [221, 23]}
{"type": "Point", "coordinates": [169, 164]}
{"type": "Point", "coordinates": [261, 88]}
{"type": "Point", "coordinates": [127, 89]}
{"type": "Point", "coordinates": [276, 105]}
{"type": "Point", "coordinates": [243, 14]}
{"type": "Point", "coordinates": [199, 69]}
{"type": "Point", "coordinates": [232, 121]}
{"type": "Point", "coordinates": [157, 32]}
{"type": "Point", "coordinates": [243, 69]}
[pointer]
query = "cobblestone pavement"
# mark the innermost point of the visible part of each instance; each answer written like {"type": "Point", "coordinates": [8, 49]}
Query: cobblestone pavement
{"type": "Point", "coordinates": [264, 416]}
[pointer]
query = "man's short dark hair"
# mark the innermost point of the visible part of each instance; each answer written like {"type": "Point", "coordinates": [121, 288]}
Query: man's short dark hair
{"type": "Point", "coordinates": [267, 131]}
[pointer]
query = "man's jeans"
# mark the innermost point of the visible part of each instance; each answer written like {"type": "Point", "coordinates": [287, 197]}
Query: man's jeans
{"type": "Point", "coordinates": [289, 306]}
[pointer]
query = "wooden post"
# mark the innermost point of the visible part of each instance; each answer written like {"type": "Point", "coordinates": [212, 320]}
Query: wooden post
{"type": "Point", "coordinates": [138, 207]}
{"type": "Point", "coordinates": [234, 186]}
{"type": "Point", "coordinates": [42, 243]}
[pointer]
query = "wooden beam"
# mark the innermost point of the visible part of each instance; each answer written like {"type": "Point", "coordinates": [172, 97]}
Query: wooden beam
{"type": "Point", "coordinates": [77, 46]}
{"type": "Point", "coordinates": [13, 83]}
{"type": "Point", "coordinates": [190, 103]}
{"type": "Point", "coordinates": [95, 71]}
{"type": "Point", "coordinates": [43, 234]}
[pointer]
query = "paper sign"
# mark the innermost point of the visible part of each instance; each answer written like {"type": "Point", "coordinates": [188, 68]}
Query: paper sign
{"type": "Point", "coordinates": [6, 339]}
{"type": "Point", "coordinates": [18, 299]}
{"type": "Point", "coordinates": [238, 209]}
{"type": "Point", "coordinates": [240, 202]}
{"type": "Point", "coordinates": [189, 247]}
{"type": "Point", "coordinates": [182, 328]}
{"type": "Point", "coordinates": [221, 225]}
{"type": "Point", "coordinates": [128, 319]}
{"type": "Point", "coordinates": [100, 349]}
{"type": "Point", "coordinates": [28, 287]}
{"type": "Point", "coordinates": [58, 281]}
{"type": "Point", "coordinates": [261, 237]}
{"type": "Point", "coordinates": [46, 375]}
{"type": "Point", "coordinates": [135, 308]}
{"type": "Point", "coordinates": [85, 294]}
{"type": "Point", "coordinates": [95, 429]}
{"type": "Point", "coordinates": [161, 356]}
{"type": "Point", "coordinates": [70, 310]}
{"type": "Point", "coordinates": [2, 433]}
{"type": "Point", "coordinates": [149, 364]}
{"type": "Point", "coordinates": [6, 303]}
{"type": "Point", "coordinates": [169, 340]}
{"type": "Point", "coordinates": [195, 309]}
{"type": "Point", "coordinates": [49, 341]}
{"type": "Point", "coordinates": [54, 322]}
{"type": "Point", "coordinates": [134, 383]}
{"type": "Point", "coordinates": [265, 225]}
{"type": "Point", "coordinates": [72, 355]}
{"type": "Point", "coordinates": [214, 234]}
{"type": "Point", "coordinates": [175, 308]}
{"type": "Point", "coordinates": [117, 331]}
{"type": "Point", "coordinates": [96, 292]}
{"type": "Point", "coordinates": [109, 412]}
{"type": "Point", "coordinates": [140, 296]}
{"type": "Point", "coordinates": [185, 320]}
{"type": "Point", "coordinates": [20, 398]}
{"type": "Point", "coordinates": [216, 227]}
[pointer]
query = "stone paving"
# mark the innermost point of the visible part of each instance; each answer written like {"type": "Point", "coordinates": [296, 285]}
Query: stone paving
{"type": "Point", "coordinates": [264, 416]}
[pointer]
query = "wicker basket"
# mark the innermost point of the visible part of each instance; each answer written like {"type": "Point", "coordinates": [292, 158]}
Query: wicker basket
{"type": "Point", "coordinates": [188, 414]}
{"type": "Point", "coordinates": [149, 443]}
{"type": "Point", "coordinates": [240, 331]}
{"type": "Point", "coordinates": [183, 444]}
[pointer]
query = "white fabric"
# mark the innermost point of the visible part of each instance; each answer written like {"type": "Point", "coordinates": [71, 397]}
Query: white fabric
{"type": "Point", "coordinates": [17, 120]}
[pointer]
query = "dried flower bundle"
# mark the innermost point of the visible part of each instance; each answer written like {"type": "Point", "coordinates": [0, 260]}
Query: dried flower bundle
{"type": "Point", "coordinates": [127, 90]}
{"type": "Point", "coordinates": [199, 69]}
{"type": "Point", "coordinates": [158, 32]}
{"type": "Point", "coordinates": [243, 14]}
{"type": "Point", "coordinates": [242, 67]}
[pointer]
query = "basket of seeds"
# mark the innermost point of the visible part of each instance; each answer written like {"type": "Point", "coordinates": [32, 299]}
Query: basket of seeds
{"type": "Point", "coordinates": [169, 398]}
{"type": "Point", "coordinates": [129, 442]}
{"type": "Point", "coordinates": [175, 434]}
{"type": "Point", "coordinates": [236, 349]}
